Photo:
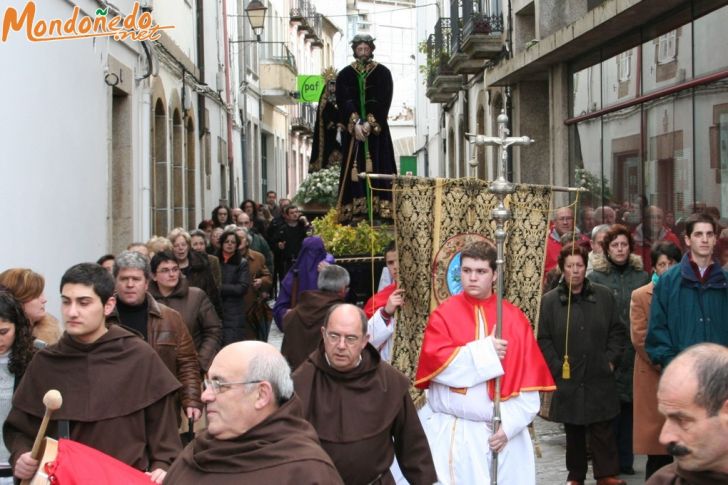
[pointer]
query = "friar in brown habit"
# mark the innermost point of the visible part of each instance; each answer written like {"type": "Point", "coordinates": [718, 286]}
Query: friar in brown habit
{"type": "Point", "coordinates": [302, 325]}
{"type": "Point", "coordinates": [256, 432]}
{"type": "Point", "coordinates": [360, 406]}
{"type": "Point", "coordinates": [118, 396]}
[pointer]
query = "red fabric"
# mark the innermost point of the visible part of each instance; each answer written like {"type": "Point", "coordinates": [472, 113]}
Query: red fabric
{"type": "Point", "coordinates": [378, 300]}
{"type": "Point", "coordinates": [454, 324]}
{"type": "Point", "coordinates": [78, 464]}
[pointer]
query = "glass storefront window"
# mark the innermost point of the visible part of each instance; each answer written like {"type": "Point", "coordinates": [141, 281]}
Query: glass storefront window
{"type": "Point", "coordinates": [622, 155]}
{"type": "Point", "coordinates": [711, 148]}
{"type": "Point", "coordinates": [711, 38]}
{"type": "Point", "coordinates": [668, 59]}
{"type": "Point", "coordinates": [586, 91]}
{"type": "Point", "coordinates": [620, 77]}
{"type": "Point", "coordinates": [668, 166]}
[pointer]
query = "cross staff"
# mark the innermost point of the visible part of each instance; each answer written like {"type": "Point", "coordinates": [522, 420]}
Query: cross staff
{"type": "Point", "coordinates": [501, 188]}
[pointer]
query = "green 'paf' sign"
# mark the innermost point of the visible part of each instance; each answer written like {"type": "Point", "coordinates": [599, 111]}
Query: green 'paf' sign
{"type": "Point", "coordinates": [310, 87]}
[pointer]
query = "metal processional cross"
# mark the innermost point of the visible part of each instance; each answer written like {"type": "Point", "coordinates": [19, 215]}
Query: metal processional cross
{"type": "Point", "coordinates": [501, 188]}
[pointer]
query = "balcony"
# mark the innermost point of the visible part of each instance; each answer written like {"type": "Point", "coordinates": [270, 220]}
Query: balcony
{"type": "Point", "coordinates": [315, 31]}
{"type": "Point", "coordinates": [303, 14]}
{"type": "Point", "coordinates": [476, 37]}
{"type": "Point", "coordinates": [442, 81]}
{"type": "Point", "coordinates": [277, 74]}
{"type": "Point", "coordinates": [303, 118]}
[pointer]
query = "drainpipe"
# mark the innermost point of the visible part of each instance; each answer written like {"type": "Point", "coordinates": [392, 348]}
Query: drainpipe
{"type": "Point", "coordinates": [231, 188]}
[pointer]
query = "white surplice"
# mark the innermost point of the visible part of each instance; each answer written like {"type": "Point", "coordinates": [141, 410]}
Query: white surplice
{"type": "Point", "coordinates": [381, 334]}
{"type": "Point", "coordinates": [458, 424]}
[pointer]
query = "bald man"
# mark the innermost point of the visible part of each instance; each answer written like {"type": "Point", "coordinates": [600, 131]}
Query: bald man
{"type": "Point", "coordinates": [360, 405]}
{"type": "Point", "coordinates": [693, 397]}
{"type": "Point", "coordinates": [256, 432]}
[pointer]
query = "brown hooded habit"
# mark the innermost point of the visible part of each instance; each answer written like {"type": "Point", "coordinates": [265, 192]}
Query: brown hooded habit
{"type": "Point", "coordinates": [118, 397]}
{"type": "Point", "coordinates": [363, 418]}
{"type": "Point", "coordinates": [282, 449]}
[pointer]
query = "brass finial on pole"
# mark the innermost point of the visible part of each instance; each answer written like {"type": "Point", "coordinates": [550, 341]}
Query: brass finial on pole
{"type": "Point", "coordinates": [501, 214]}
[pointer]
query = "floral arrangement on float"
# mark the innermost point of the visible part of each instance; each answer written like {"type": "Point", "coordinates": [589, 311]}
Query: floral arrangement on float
{"type": "Point", "coordinates": [320, 189]}
{"type": "Point", "coordinates": [361, 239]}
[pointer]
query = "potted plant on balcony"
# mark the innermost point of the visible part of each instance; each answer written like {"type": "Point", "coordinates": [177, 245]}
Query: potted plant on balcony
{"type": "Point", "coordinates": [318, 192]}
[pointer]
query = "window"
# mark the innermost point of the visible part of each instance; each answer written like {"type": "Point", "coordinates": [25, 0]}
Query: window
{"type": "Point", "coordinates": [667, 47]}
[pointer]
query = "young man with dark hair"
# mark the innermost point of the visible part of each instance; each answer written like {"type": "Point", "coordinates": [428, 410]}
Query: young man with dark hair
{"type": "Point", "coordinates": [118, 396]}
{"type": "Point", "coordinates": [690, 302]}
{"type": "Point", "coordinates": [460, 357]}
{"type": "Point", "coordinates": [381, 307]}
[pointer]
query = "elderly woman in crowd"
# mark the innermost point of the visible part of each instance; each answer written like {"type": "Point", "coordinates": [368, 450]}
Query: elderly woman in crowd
{"type": "Point", "coordinates": [16, 350]}
{"type": "Point", "coordinates": [235, 283]}
{"type": "Point", "coordinates": [582, 341]}
{"type": "Point", "coordinates": [647, 419]}
{"type": "Point", "coordinates": [27, 287]}
{"type": "Point", "coordinates": [198, 243]}
{"type": "Point", "coordinates": [302, 276]}
{"type": "Point", "coordinates": [620, 269]}
{"type": "Point", "coordinates": [195, 266]}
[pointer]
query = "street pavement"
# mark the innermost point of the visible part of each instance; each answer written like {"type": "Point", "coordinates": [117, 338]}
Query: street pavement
{"type": "Point", "coordinates": [550, 467]}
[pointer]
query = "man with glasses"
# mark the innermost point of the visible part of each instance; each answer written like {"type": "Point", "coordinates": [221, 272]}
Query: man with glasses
{"type": "Point", "coordinates": [563, 222]}
{"type": "Point", "coordinates": [360, 405]}
{"type": "Point", "coordinates": [170, 288]}
{"type": "Point", "coordinates": [159, 325]}
{"type": "Point", "coordinates": [256, 432]}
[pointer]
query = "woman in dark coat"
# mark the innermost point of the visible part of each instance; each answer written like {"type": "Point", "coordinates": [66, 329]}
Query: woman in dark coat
{"type": "Point", "coordinates": [620, 270]}
{"type": "Point", "coordinates": [579, 326]}
{"type": "Point", "coordinates": [235, 283]}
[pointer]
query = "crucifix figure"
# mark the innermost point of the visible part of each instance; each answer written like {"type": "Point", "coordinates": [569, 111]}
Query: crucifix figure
{"type": "Point", "coordinates": [501, 188]}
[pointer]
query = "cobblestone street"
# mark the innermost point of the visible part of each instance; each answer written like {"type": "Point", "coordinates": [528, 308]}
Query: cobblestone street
{"type": "Point", "coordinates": [551, 468]}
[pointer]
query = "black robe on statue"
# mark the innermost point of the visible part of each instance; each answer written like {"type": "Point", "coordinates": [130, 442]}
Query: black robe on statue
{"type": "Point", "coordinates": [377, 100]}
{"type": "Point", "coordinates": [325, 150]}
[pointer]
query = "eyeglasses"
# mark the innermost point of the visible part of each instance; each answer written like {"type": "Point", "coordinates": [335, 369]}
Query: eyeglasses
{"type": "Point", "coordinates": [335, 338]}
{"type": "Point", "coordinates": [217, 385]}
{"type": "Point", "coordinates": [165, 271]}
{"type": "Point", "coordinates": [565, 219]}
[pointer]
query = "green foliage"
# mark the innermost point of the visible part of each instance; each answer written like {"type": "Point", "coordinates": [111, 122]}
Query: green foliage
{"type": "Point", "coordinates": [320, 187]}
{"type": "Point", "coordinates": [598, 186]}
{"type": "Point", "coordinates": [343, 240]}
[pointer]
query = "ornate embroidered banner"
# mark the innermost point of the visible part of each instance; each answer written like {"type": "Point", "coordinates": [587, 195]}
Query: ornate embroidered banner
{"type": "Point", "coordinates": [434, 218]}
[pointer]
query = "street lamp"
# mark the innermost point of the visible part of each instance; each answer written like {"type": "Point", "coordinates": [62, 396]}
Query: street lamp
{"type": "Point", "coordinates": [256, 16]}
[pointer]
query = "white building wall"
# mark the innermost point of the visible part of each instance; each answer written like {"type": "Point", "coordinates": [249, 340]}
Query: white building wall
{"type": "Point", "coordinates": [57, 139]}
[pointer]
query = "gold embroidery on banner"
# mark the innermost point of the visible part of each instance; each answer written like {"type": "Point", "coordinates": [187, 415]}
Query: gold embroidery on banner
{"type": "Point", "coordinates": [431, 211]}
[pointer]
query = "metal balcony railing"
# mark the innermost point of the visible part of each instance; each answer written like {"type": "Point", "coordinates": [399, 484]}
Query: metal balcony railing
{"type": "Point", "coordinates": [438, 50]}
{"type": "Point", "coordinates": [315, 30]}
{"type": "Point", "coordinates": [468, 18]}
{"type": "Point", "coordinates": [279, 53]}
{"type": "Point", "coordinates": [303, 116]}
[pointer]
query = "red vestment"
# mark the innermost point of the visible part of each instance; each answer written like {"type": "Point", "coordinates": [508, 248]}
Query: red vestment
{"type": "Point", "coordinates": [455, 323]}
{"type": "Point", "coordinates": [378, 300]}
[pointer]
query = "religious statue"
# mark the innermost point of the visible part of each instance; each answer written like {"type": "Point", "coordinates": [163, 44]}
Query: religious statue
{"type": "Point", "coordinates": [364, 95]}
